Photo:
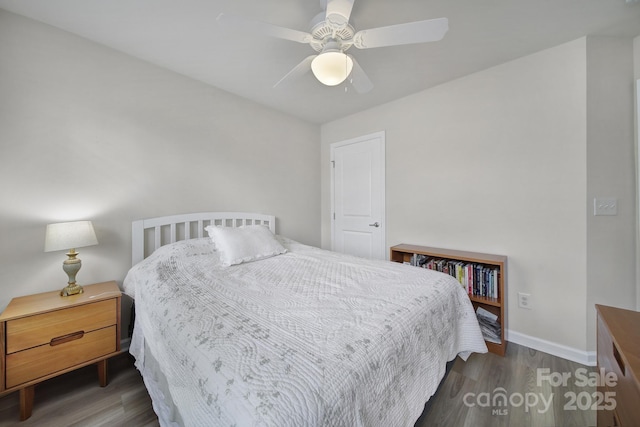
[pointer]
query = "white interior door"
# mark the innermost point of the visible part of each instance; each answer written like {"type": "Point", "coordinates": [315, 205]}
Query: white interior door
{"type": "Point", "coordinates": [358, 200]}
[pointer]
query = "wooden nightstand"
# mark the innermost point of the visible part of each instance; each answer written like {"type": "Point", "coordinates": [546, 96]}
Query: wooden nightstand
{"type": "Point", "coordinates": [45, 335]}
{"type": "Point", "coordinates": [618, 366]}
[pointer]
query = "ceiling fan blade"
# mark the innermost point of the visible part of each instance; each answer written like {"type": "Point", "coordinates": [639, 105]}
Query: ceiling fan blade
{"type": "Point", "coordinates": [299, 70]}
{"type": "Point", "coordinates": [429, 30]}
{"type": "Point", "coordinates": [252, 26]}
{"type": "Point", "coordinates": [339, 11]}
{"type": "Point", "coordinates": [358, 78]}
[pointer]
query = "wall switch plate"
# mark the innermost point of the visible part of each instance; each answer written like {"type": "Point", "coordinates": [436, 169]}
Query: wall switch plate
{"type": "Point", "coordinates": [524, 300]}
{"type": "Point", "coordinates": [605, 206]}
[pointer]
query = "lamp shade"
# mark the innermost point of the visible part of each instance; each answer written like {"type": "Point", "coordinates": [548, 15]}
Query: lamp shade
{"type": "Point", "coordinates": [331, 67]}
{"type": "Point", "coordinates": [69, 235]}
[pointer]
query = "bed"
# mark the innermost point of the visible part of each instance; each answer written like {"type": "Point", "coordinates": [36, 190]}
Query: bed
{"type": "Point", "coordinates": [298, 336]}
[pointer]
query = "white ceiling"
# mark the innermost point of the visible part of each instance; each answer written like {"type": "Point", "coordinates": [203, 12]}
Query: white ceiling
{"type": "Point", "coordinates": [183, 36]}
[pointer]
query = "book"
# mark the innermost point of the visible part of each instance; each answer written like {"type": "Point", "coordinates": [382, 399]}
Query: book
{"type": "Point", "coordinates": [477, 279]}
{"type": "Point", "coordinates": [489, 325]}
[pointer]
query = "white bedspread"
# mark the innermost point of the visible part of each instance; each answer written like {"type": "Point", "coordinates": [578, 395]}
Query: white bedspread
{"type": "Point", "coordinates": [307, 338]}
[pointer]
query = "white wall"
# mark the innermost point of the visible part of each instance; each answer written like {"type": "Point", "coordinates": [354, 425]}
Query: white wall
{"type": "Point", "coordinates": [636, 74]}
{"type": "Point", "coordinates": [611, 265]}
{"type": "Point", "coordinates": [636, 57]}
{"type": "Point", "coordinates": [90, 133]}
{"type": "Point", "coordinates": [496, 162]}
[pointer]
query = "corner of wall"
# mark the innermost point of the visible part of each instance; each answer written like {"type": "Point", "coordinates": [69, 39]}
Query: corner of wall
{"type": "Point", "coordinates": [636, 57]}
{"type": "Point", "coordinates": [611, 172]}
{"type": "Point", "coordinates": [636, 74]}
{"type": "Point", "coordinates": [637, 162]}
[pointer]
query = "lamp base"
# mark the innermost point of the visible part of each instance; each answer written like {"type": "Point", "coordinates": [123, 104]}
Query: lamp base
{"type": "Point", "coordinates": [71, 266]}
{"type": "Point", "coordinates": [71, 289]}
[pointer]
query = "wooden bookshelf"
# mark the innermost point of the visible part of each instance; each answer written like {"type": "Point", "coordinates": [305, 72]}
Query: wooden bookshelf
{"type": "Point", "coordinates": [404, 253]}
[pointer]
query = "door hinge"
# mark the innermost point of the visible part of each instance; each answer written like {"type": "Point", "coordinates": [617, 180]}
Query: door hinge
{"type": "Point", "coordinates": [334, 216]}
{"type": "Point", "coordinates": [333, 164]}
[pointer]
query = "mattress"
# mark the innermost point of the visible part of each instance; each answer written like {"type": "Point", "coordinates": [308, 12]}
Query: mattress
{"type": "Point", "coordinates": [306, 338]}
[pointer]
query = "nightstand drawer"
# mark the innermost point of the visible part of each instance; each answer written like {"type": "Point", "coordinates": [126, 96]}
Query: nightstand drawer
{"type": "Point", "coordinates": [64, 353]}
{"type": "Point", "coordinates": [32, 331]}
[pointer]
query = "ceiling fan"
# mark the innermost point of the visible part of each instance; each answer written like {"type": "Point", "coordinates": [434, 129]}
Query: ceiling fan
{"type": "Point", "coordinates": [331, 36]}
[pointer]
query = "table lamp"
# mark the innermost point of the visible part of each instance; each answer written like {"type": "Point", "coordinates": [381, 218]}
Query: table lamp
{"type": "Point", "coordinates": [69, 236]}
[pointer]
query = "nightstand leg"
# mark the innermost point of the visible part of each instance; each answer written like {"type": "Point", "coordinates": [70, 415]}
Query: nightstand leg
{"type": "Point", "coordinates": [102, 372]}
{"type": "Point", "coordinates": [26, 401]}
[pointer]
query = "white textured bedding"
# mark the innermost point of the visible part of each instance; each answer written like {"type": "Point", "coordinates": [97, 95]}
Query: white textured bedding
{"type": "Point", "coordinates": [307, 338]}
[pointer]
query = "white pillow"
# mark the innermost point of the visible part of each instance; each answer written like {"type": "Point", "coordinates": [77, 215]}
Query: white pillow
{"type": "Point", "coordinates": [244, 244]}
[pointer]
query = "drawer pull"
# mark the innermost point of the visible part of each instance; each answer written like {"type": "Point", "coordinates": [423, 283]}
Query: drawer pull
{"type": "Point", "coordinates": [66, 338]}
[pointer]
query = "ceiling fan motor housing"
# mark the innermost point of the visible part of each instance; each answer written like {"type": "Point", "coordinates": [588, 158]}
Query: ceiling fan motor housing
{"type": "Point", "coordinates": [326, 31]}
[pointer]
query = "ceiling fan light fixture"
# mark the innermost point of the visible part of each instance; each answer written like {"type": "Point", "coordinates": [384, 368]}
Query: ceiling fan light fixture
{"type": "Point", "coordinates": [332, 68]}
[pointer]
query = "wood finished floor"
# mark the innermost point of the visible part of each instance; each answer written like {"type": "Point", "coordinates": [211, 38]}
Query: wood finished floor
{"type": "Point", "coordinates": [75, 399]}
{"type": "Point", "coordinates": [517, 373]}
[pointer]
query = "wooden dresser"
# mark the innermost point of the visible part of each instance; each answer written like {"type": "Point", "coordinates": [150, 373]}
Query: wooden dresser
{"type": "Point", "coordinates": [619, 353]}
{"type": "Point", "coordinates": [45, 335]}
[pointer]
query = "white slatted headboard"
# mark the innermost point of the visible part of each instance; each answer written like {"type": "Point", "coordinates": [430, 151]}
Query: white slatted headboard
{"type": "Point", "coordinates": [148, 235]}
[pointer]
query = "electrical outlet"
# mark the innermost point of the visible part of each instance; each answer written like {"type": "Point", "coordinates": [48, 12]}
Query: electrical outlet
{"type": "Point", "coordinates": [524, 300]}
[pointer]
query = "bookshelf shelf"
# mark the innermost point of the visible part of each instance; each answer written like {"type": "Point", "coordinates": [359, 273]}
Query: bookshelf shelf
{"type": "Point", "coordinates": [486, 300]}
{"type": "Point", "coordinates": [405, 253]}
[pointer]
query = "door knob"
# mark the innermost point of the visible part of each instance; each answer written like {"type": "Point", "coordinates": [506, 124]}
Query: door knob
{"type": "Point", "coordinates": [375, 224]}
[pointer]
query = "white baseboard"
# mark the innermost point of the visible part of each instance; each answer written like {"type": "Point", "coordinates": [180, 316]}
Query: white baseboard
{"type": "Point", "coordinates": [580, 356]}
